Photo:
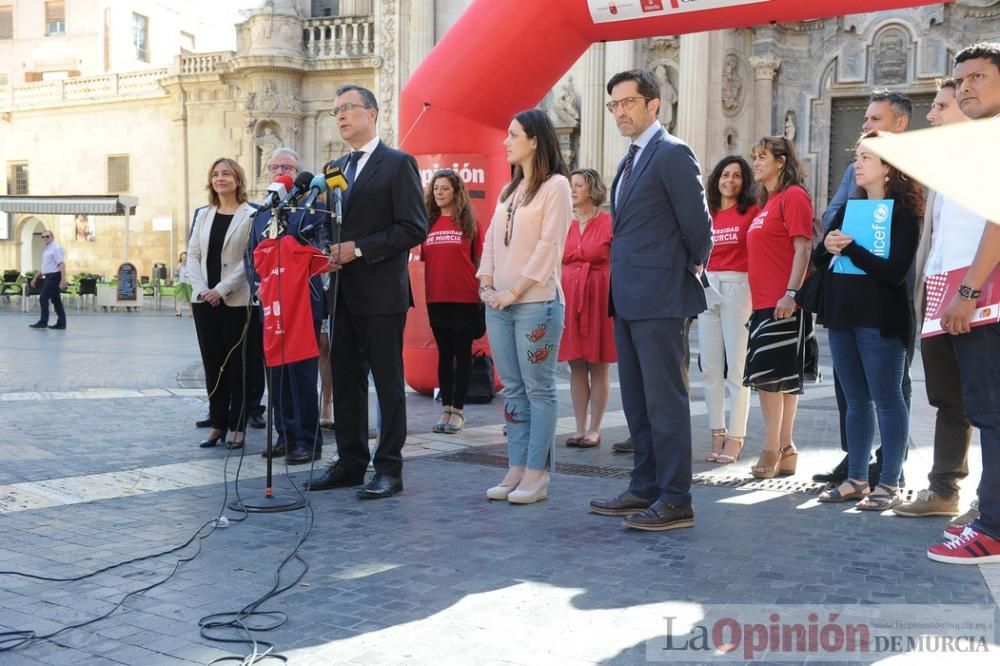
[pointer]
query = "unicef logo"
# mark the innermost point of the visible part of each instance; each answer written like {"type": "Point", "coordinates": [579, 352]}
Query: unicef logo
{"type": "Point", "coordinates": [881, 213]}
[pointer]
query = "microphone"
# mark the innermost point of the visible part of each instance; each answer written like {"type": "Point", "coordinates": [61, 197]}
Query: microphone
{"type": "Point", "coordinates": [316, 188]}
{"type": "Point", "coordinates": [276, 191]}
{"type": "Point", "coordinates": [335, 179]}
{"type": "Point", "coordinates": [300, 185]}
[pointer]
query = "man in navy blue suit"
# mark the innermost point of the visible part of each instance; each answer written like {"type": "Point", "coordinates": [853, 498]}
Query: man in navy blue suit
{"type": "Point", "coordinates": [662, 236]}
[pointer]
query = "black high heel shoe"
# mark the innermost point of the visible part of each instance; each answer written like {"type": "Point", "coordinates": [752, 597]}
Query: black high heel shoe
{"type": "Point", "coordinates": [233, 444]}
{"type": "Point", "coordinates": [214, 441]}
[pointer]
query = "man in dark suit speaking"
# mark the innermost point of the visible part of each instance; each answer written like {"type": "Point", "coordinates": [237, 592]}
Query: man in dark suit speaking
{"type": "Point", "coordinates": [383, 218]}
{"type": "Point", "coordinates": [662, 236]}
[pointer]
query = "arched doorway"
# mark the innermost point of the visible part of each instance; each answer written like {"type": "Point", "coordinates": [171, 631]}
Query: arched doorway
{"type": "Point", "coordinates": [31, 243]}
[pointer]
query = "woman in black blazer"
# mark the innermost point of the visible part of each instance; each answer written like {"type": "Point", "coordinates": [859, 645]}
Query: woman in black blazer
{"type": "Point", "coordinates": [221, 298]}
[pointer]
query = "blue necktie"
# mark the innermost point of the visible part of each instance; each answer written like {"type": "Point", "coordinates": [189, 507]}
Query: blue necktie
{"type": "Point", "coordinates": [352, 171]}
{"type": "Point", "coordinates": [627, 170]}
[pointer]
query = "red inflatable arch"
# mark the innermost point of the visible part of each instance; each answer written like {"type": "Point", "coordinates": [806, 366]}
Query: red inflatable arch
{"type": "Point", "coordinates": [502, 57]}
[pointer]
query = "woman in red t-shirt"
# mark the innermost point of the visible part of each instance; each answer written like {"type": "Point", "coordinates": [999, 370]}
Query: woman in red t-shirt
{"type": "Point", "coordinates": [588, 340]}
{"type": "Point", "coordinates": [451, 255]}
{"type": "Point", "coordinates": [722, 328]}
{"type": "Point", "coordinates": [782, 351]}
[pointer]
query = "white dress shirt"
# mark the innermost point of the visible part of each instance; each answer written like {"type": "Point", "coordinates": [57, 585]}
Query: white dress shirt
{"type": "Point", "coordinates": [52, 256]}
{"type": "Point", "coordinates": [957, 233]}
{"type": "Point", "coordinates": [367, 149]}
{"type": "Point", "coordinates": [642, 142]}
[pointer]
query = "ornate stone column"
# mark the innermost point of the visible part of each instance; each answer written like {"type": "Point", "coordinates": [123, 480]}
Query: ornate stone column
{"type": "Point", "coordinates": [421, 32]}
{"type": "Point", "coordinates": [618, 56]}
{"type": "Point", "coordinates": [764, 69]}
{"type": "Point", "coordinates": [592, 111]}
{"type": "Point", "coordinates": [692, 107]}
{"type": "Point", "coordinates": [309, 141]}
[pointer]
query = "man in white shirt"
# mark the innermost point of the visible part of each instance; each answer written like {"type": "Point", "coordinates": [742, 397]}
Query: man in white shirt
{"type": "Point", "coordinates": [977, 75]}
{"type": "Point", "coordinates": [53, 272]}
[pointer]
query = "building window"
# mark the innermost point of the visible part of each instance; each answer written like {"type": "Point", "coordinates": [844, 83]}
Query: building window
{"type": "Point", "coordinates": [325, 8]}
{"type": "Point", "coordinates": [7, 22]}
{"type": "Point", "coordinates": [140, 37]}
{"type": "Point", "coordinates": [118, 181]}
{"type": "Point", "coordinates": [55, 18]}
{"type": "Point", "coordinates": [187, 41]}
{"type": "Point", "coordinates": [17, 178]}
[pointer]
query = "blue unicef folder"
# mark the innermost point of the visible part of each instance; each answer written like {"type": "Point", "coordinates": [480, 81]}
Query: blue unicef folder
{"type": "Point", "coordinates": [869, 223]}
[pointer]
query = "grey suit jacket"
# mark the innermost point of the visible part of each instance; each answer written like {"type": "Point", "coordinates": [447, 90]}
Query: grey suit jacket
{"type": "Point", "coordinates": [661, 232]}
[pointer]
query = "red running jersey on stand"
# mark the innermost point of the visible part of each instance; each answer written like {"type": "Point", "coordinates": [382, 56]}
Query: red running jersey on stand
{"type": "Point", "coordinates": [285, 266]}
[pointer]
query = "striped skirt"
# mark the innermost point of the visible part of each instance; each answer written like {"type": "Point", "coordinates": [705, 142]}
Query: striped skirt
{"type": "Point", "coordinates": [783, 353]}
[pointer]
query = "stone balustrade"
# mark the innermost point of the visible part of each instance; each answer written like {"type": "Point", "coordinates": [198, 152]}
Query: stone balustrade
{"type": "Point", "coordinates": [202, 63]}
{"type": "Point", "coordinates": [107, 88]}
{"type": "Point", "coordinates": [339, 37]}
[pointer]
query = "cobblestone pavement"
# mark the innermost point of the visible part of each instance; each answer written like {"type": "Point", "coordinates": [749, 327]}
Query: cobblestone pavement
{"type": "Point", "coordinates": [96, 428]}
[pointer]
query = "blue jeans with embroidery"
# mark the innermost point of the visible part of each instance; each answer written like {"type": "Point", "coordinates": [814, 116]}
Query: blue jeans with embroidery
{"type": "Point", "coordinates": [525, 343]}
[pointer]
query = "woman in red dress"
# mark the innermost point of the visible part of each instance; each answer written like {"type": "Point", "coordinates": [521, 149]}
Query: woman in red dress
{"type": "Point", "coordinates": [588, 341]}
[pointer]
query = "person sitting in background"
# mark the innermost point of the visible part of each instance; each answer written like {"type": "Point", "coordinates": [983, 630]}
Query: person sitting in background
{"type": "Point", "coordinates": [451, 255]}
{"type": "Point", "coordinates": [869, 321]}
{"type": "Point", "coordinates": [722, 331]}
{"type": "Point", "coordinates": [588, 341]}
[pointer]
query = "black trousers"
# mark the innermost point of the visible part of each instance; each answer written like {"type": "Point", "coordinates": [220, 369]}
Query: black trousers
{"type": "Point", "coordinates": [377, 339]}
{"type": "Point", "coordinates": [221, 339]}
{"type": "Point", "coordinates": [50, 292]}
{"type": "Point", "coordinates": [255, 362]}
{"type": "Point", "coordinates": [952, 430]}
{"type": "Point", "coordinates": [454, 364]}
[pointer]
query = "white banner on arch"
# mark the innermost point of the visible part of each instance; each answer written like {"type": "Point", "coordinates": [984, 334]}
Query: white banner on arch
{"type": "Point", "coordinates": [606, 11]}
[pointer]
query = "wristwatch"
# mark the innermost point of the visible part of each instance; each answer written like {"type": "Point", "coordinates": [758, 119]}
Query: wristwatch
{"type": "Point", "coordinates": [357, 251]}
{"type": "Point", "coordinates": [968, 293]}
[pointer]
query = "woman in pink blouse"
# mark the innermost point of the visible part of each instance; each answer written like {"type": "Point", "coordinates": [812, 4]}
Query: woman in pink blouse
{"type": "Point", "coordinates": [588, 341]}
{"type": "Point", "coordinates": [519, 278]}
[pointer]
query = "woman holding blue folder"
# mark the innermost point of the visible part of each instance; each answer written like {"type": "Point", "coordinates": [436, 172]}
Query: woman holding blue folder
{"type": "Point", "coordinates": [866, 255]}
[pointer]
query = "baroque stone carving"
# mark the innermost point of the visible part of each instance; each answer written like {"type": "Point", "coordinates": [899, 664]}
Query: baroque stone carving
{"type": "Point", "coordinates": [668, 95]}
{"type": "Point", "coordinates": [565, 112]}
{"type": "Point", "coordinates": [892, 47]}
{"type": "Point", "coordinates": [791, 127]}
{"type": "Point", "coordinates": [733, 84]}
{"type": "Point", "coordinates": [267, 142]}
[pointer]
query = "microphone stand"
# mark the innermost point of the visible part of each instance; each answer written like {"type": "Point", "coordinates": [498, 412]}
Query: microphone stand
{"type": "Point", "coordinates": [275, 230]}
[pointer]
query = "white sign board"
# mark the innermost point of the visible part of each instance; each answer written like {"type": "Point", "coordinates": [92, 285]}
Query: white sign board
{"type": "Point", "coordinates": [163, 223]}
{"type": "Point", "coordinates": [605, 11]}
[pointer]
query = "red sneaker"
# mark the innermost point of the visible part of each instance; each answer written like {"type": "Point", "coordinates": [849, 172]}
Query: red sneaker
{"type": "Point", "coordinates": [953, 532]}
{"type": "Point", "coordinates": [971, 547]}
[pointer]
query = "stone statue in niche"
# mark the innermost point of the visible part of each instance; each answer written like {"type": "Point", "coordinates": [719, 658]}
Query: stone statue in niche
{"type": "Point", "coordinates": [732, 84]}
{"type": "Point", "coordinates": [565, 112]}
{"type": "Point", "coordinates": [891, 61]}
{"type": "Point", "coordinates": [668, 97]}
{"type": "Point", "coordinates": [268, 101]}
{"type": "Point", "coordinates": [790, 125]}
{"type": "Point", "coordinates": [267, 142]}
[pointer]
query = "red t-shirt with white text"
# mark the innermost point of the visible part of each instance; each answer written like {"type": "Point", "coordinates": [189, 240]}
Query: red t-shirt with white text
{"type": "Point", "coordinates": [449, 274]}
{"type": "Point", "coordinates": [285, 266]}
{"type": "Point", "coordinates": [770, 248]}
{"type": "Point", "coordinates": [729, 239]}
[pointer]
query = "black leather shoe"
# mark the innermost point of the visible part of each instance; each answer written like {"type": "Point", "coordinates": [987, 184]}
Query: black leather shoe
{"type": "Point", "coordinates": [337, 476]}
{"type": "Point", "coordinates": [836, 476]}
{"type": "Point", "coordinates": [381, 485]}
{"type": "Point", "coordinates": [58, 326]}
{"type": "Point", "coordinates": [623, 505]}
{"type": "Point", "coordinates": [233, 444]}
{"type": "Point", "coordinates": [623, 447]}
{"type": "Point", "coordinates": [213, 441]}
{"type": "Point", "coordinates": [277, 451]}
{"type": "Point", "coordinates": [303, 456]}
{"type": "Point", "coordinates": [662, 516]}
{"type": "Point", "coordinates": [204, 423]}
{"type": "Point", "coordinates": [38, 324]}
{"type": "Point", "coordinates": [256, 421]}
